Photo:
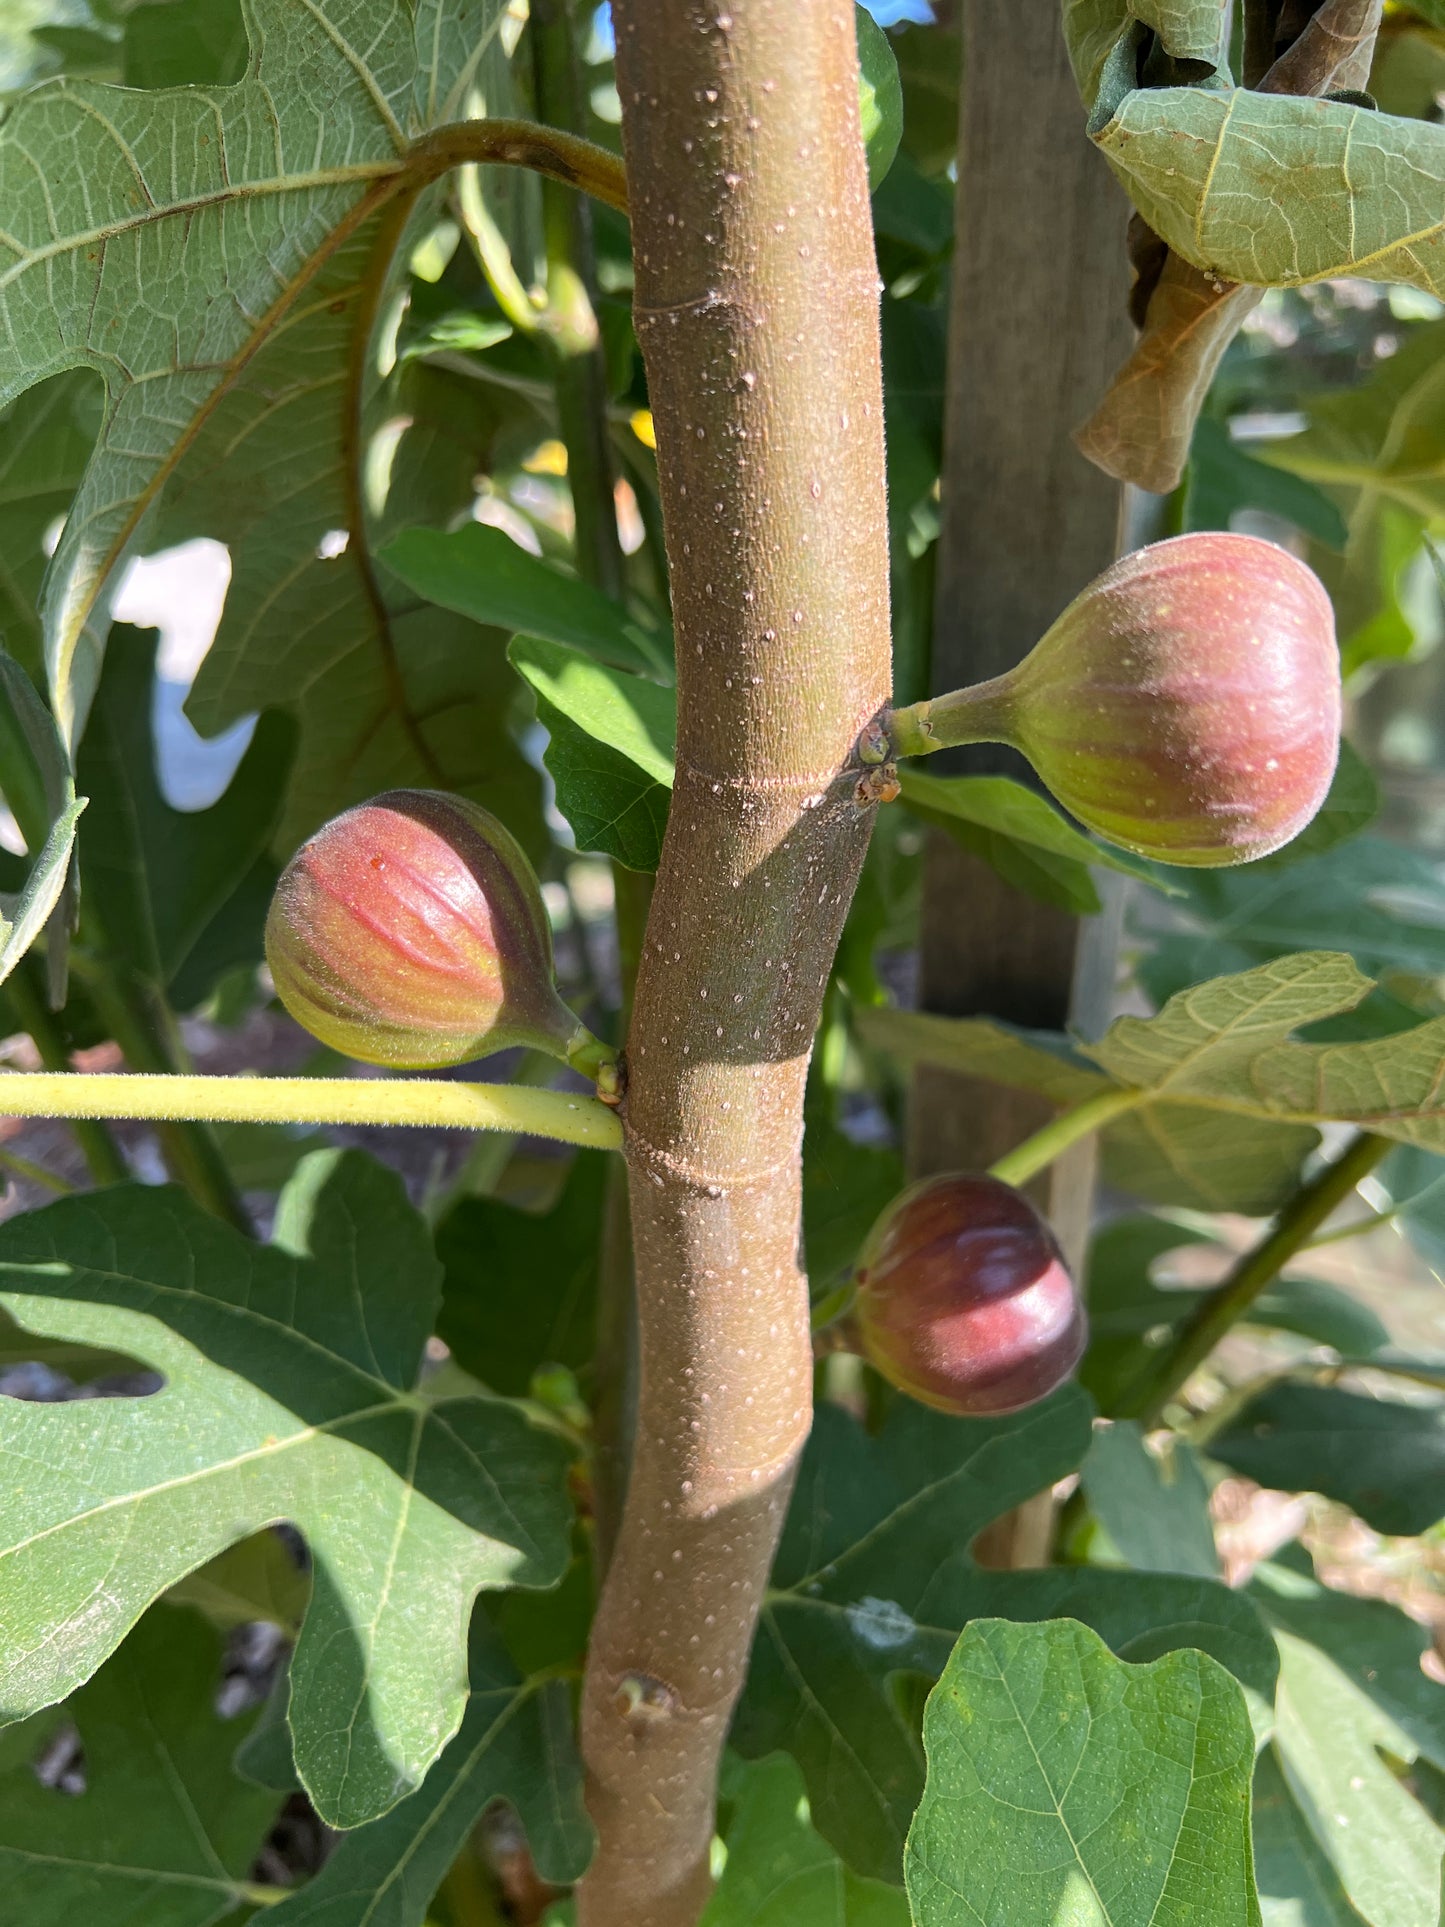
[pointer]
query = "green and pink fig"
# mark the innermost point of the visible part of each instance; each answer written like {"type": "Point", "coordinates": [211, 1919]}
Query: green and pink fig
{"type": "Point", "coordinates": [410, 931]}
{"type": "Point", "coordinates": [1185, 706]}
{"type": "Point", "coordinates": [964, 1301]}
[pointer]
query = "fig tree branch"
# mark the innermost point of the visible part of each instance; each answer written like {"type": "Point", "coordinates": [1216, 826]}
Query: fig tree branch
{"type": "Point", "coordinates": [756, 307]}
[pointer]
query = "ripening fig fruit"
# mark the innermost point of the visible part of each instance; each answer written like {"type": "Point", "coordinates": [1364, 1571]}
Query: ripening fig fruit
{"type": "Point", "coordinates": [410, 931]}
{"type": "Point", "coordinates": [1185, 706]}
{"type": "Point", "coordinates": [964, 1300]}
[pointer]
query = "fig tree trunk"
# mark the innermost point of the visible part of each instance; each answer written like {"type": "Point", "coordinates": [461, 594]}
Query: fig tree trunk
{"type": "Point", "coordinates": [757, 311]}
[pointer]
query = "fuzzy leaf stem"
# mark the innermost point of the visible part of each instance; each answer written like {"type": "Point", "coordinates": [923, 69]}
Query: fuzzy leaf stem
{"type": "Point", "coordinates": [570, 1117]}
{"type": "Point", "coordinates": [757, 312]}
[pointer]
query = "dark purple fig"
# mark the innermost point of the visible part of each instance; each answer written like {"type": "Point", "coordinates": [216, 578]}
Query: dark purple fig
{"type": "Point", "coordinates": [964, 1300]}
{"type": "Point", "coordinates": [411, 932]}
{"type": "Point", "coordinates": [1185, 706]}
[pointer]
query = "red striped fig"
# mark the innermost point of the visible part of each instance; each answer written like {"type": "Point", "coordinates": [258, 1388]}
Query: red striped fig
{"type": "Point", "coordinates": [410, 931]}
{"type": "Point", "coordinates": [964, 1300]}
{"type": "Point", "coordinates": [1185, 706]}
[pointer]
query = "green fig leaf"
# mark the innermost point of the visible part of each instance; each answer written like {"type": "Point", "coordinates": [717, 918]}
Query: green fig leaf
{"type": "Point", "coordinates": [22, 918]}
{"type": "Point", "coordinates": [280, 214]}
{"type": "Point", "coordinates": [519, 1288]}
{"type": "Point", "coordinates": [780, 1872]}
{"type": "Point", "coordinates": [515, 1743]}
{"type": "Point", "coordinates": [873, 1583]}
{"type": "Point", "coordinates": [41, 792]}
{"type": "Point", "coordinates": [1021, 834]}
{"type": "Point", "coordinates": [611, 752]}
{"type": "Point", "coordinates": [1332, 1741]}
{"type": "Point", "coordinates": [1384, 1459]}
{"type": "Point", "coordinates": [880, 96]}
{"type": "Point", "coordinates": [1374, 450]}
{"type": "Point", "coordinates": [156, 877]}
{"type": "Point", "coordinates": [909, 207]}
{"type": "Point", "coordinates": [637, 719]}
{"type": "Point", "coordinates": [1165, 1152]}
{"type": "Point", "coordinates": [215, 421]}
{"type": "Point", "coordinates": [611, 803]}
{"type": "Point", "coordinates": [1382, 903]}
{"type": "Point", "coordinates": [1155, 1508]}
{"type": "Point", "coordinates": [46, 436]}
{"type": "Point", "coordinates": [1226, 475]}
{"type": "Point", "coordinates": [257, 1579]}
{"type": "Point", "coordinates": [1099, 32]}
{"type": "Point", "coordinates": [165, 1831]}
{"type": "Point", "coordinates": [1374, 1645]}
{"type": "Point", "coordinates": [1042, 1061]}
{"type": "Point", "coordinates": [1193, 307]}
{"type": "Point", "coordinates": [483, 574]}
{"type": "Point", "coordinates": [288, 1394]}
{"type": "Point", "coordinates": [1218, 1051]}
{"type": "Point", "coordinates": [1215, 175]}
{"type": "Point", "coordinates": [1415, 1184]}
{"type": "Point", "coordinates": [1130, 1315]}
{"type": "Point", "coordinates": [185, 43]}
{"type": "Point", "coordinates": [1322, 1313]}
{"type": "Point", "coordinates": [845, 1187]}
{"type": "Point", "coordinates": [1297, 1885]}
{"type": "Point", "coordinates": [81, 1364]}
{"type": "Point", "coordinates": [1064, 1784]}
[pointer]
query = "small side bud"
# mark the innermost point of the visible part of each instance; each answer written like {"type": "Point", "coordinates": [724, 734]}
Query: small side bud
{"type": "Point", "coordinates": [964, 1300]}
{"type": "Point", "coordinates": [410, 931]}
{"type": "Point", "coordinates": [874, 745]}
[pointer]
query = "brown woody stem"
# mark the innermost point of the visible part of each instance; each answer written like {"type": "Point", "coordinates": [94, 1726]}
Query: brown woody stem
{"type": "Point", "coordinates": [757, 311]}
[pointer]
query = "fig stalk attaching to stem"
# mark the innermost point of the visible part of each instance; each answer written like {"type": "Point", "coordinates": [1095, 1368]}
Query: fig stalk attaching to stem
{"type": "Point", "coordinates": [978, 714]}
